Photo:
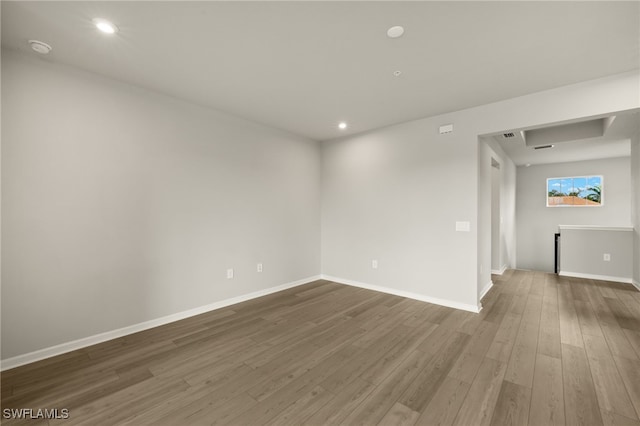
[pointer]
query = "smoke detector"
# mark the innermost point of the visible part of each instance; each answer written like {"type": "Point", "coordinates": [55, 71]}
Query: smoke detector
{"type": "Point", "coordinates": [40, 46]}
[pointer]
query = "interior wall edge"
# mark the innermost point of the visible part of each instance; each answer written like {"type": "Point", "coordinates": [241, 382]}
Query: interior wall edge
{"type": "Point", "coordinates": [499, 271]}
{"type": "Point", "coordinates": [403, 293]}
{"type": "Point", "coordinates": [488, 286]}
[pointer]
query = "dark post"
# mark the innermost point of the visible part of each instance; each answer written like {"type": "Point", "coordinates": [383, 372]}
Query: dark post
{"type": "Point", "coordinates": [557, 253]}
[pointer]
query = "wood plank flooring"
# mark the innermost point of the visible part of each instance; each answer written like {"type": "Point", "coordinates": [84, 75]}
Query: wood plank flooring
{"type": "Point", "coordinates": [545, 350]}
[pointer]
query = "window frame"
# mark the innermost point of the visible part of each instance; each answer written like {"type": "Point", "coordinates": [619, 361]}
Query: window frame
{"type": "Point", "coordinates": [587, 177]}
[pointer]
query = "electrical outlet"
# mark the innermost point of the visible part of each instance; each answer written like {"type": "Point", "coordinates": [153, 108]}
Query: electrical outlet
{"type": "Point", "coordinates": [606, 257]}
{"type": "Point", "coordinates": [374, 264]}
{"type": "Point", "coordinates": [229, 273]}
{"type": "Point", "coordinates": [259, 267]}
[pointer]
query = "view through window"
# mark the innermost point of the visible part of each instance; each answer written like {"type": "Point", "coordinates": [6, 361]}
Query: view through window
{"type": "Point", "coordinates": [574, 191]}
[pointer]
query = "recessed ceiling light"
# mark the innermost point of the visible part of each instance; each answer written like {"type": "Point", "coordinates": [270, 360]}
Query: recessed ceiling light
{"type": "Point", "coordinates": [342, 125]}
{"type": "Point", "coordinates": [395, 32]}
{"type": "Point", "coordinates": [104, 26]}
{"type": "Point", "coordinates": [40, 46]}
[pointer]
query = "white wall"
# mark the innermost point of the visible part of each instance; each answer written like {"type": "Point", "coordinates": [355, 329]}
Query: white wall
{"type": "Point", "coordinates": [394, 194]}
{"type": "Point", "coordinates": [508, 234]}
{"type": "Point", "coordinates": [484, 225]}
{"type": "Point", "coordinates": [504, 237]}
{"type": "Point", "coordinates": [496, 243]}
{"type": "Point", "coordinates": [582, 253]}
{"type": "Point", "coordinates": [536, 223]}
{"type": "Point", "coordinates": [120, 205]}
{"type": "Point", "coordinates": [489, 238]}
{"type": "Point", "coordinates": [635, 203]}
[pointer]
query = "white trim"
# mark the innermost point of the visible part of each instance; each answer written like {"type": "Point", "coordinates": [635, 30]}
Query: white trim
{"type": "Point", "coordinates": [407, 294]}
{"type": "Point", "coordinates": [485, 290]}
{"type": "Point", "coordinates": [595, 228]}
{"type": "Point", "coordinates": [595, 277]}
{"type": "Point", "coordinates": [636, 284]}
{"type": "Point", "coordinates": [62, 348]}
{"type": "Point", "coordinates": [499, 271]}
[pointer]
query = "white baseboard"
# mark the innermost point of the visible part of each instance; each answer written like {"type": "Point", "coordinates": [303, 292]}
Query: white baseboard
{"type": "Point", "coordinates": [62, 348]}
{"type": "Point", "coordinates": [595, 277]}
{"type": "Point", "coordinates": [407, 294]}
{"type": "Point", "coordinates": [636, 284]}
{"type": "Point", "coordinates": [485, 289]}
{"type": "Point", "coordinates": [499, 271]}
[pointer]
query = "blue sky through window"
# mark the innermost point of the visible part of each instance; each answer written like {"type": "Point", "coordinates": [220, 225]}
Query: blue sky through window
{"type": "Point", "coordinates": [583, 187]}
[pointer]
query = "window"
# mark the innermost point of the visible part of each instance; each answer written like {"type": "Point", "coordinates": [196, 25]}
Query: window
{"type": "Point", "coordinates": [579, 191]}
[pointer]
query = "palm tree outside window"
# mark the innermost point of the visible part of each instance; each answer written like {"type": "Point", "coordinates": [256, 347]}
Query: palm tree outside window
{"type": "Point", "coordinates": [577, 191]}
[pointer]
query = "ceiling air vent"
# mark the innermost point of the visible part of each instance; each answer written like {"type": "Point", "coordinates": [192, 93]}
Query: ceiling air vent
{"type": "Point", "coordinates": [543, 147]}
{"type": "Point", "coordinates": [508, 135]}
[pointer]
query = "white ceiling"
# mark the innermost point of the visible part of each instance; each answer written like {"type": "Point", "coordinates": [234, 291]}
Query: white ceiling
{"type": "Point", "coordinates": [614, 143]}
{"type": "Point", "coordinates": [305, 66]}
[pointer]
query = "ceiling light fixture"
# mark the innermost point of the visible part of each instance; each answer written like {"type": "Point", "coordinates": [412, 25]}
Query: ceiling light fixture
{"type": "Point", "coordinates": [104, 26]}
{"type": "Point", "coordinates": [342, 125]}
{"type": "Point", "coordinates": [40, 46]}
{"type": "Point", "coordinates": [395, 32]}
{"type": "Point", "coordinates": [397, 73]}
